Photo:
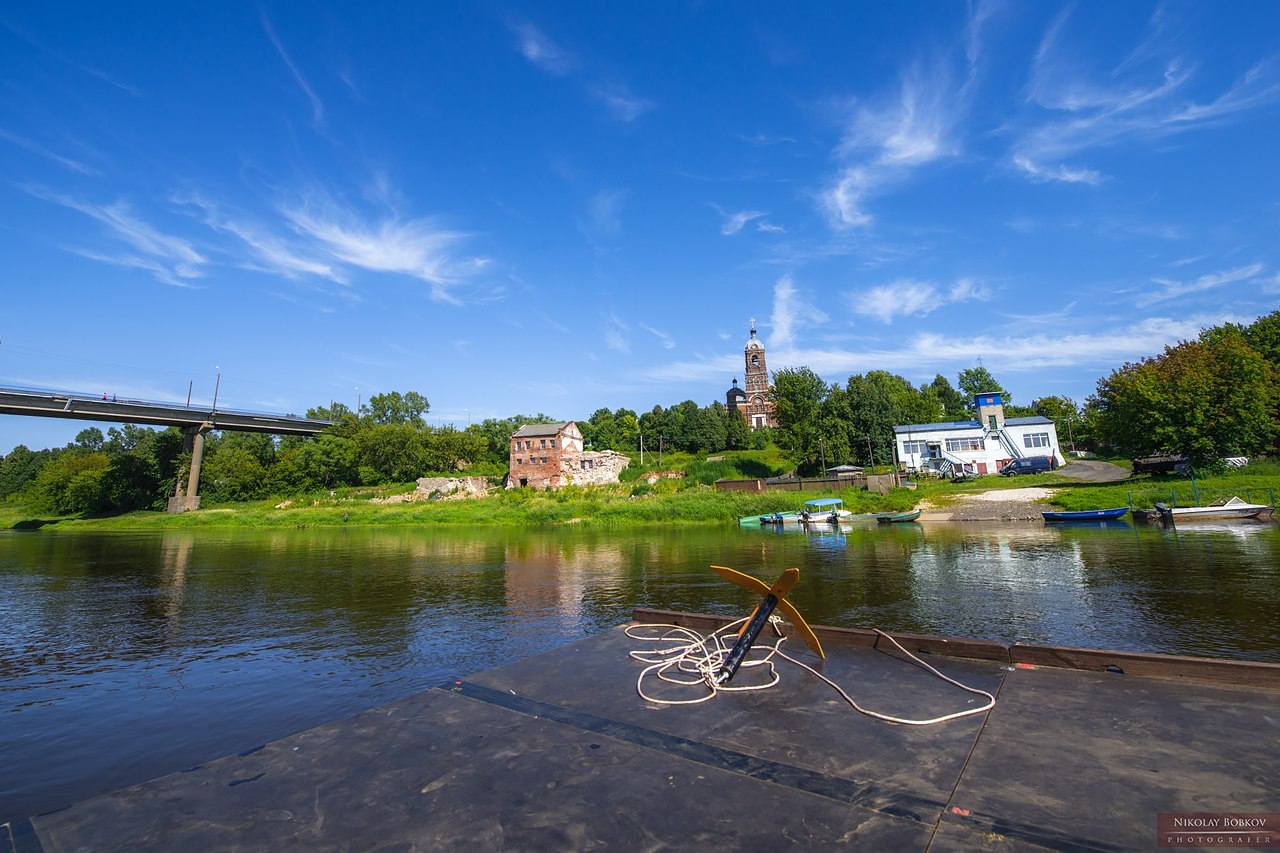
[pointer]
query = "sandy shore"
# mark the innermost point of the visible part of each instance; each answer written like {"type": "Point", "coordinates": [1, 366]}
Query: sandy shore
{"type": "Point", "coordinates": [996, 505]}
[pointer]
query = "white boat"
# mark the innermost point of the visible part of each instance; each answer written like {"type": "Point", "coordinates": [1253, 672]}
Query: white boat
{"type": "Point", "coordinates": [1220, 510]}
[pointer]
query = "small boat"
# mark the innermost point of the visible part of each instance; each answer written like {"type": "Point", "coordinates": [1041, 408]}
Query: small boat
{"type": "Point", "coordinates": [899, 517]}
{"type": "Point", "coordinates": [1220, 510]}
{"type": "Point", "coordinates": [1087, 515]}
{"type": "Point", "coordinates": [816, 511]}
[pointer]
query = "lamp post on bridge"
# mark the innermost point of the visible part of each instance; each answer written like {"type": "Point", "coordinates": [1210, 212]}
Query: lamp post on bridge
{"type": "Point", "coordinates": [216, 384]}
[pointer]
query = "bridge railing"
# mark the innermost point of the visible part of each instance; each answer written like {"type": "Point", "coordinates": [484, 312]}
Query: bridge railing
{"type": "Point", "coordinates": [78, 396]}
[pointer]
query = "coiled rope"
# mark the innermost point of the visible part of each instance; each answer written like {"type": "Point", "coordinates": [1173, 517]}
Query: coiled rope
{"type": "Point", "coordinates": [687, 658]}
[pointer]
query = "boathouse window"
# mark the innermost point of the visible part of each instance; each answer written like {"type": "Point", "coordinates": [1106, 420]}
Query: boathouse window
{"type": "Point", "coordinates": [914, 448]}
{"type": "Point", "coordinates": [954, 444]}
{"type": "Point", "coordinates": [1036, 439]}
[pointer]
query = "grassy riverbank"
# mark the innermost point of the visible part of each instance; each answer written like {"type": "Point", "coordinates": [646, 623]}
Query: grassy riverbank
{"type": "Point", "coordinates": [605, 505]}
{"type": "Point", "coordinates": [669, 502]}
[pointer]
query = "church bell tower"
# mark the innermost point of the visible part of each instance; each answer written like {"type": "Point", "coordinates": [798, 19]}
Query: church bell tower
{"type": "Point", "coordinates": [758, 409]}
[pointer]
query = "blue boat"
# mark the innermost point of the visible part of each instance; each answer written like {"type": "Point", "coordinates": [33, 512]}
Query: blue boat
{"type": "Point", "coordinates": [1087, 515]}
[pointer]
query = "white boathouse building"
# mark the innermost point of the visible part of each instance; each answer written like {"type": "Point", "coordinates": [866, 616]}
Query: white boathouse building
{"type": "Point", "coordinates": [981, 446]}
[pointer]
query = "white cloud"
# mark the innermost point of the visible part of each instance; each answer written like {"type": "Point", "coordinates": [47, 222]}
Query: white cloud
{"type": "Point", "coordinates": [1271, 285]}
{"type": "Point", "coordinates": [734, 221]}
{"type": "Point", "coordinates": [604, 214]}
{"type": "Point", "coordinates": [1065, 174]}
{"type": "Point", "coordinates": [169, 258]}
{"type": "Point", "coordinates": [36, 148]}
{"type": "Point", "coordinates": [1171, 289]}
{"type": "Point", "coordinates": [317, 108]}
{"type": "Point", "coordinates": [666, 339]}
{"type": "Point", "coordinates": [770, 228]}
{"type": "Point", "coordinates": [418, 247]}
{"type": "Point", "coordinates": [615, 334]}
{"type": "Point", "coordinates": [1144, 98]}
{"type": "Point", "coordinates": [909, 297]}
{"type": "Point", "coordinates": [271, 251]}
{"type": "Point", "coordinates": [790, 309]}
{"type": "Point", "coordinates": [536, 47]}
{"type": "Point", "coordinates": [622, 104]}
{"type": "Point", "coordinates": [931, 352]}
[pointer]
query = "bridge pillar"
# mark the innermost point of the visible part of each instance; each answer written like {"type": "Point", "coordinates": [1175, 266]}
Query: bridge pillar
{"type": "Point", "coordinates": [193, 441]}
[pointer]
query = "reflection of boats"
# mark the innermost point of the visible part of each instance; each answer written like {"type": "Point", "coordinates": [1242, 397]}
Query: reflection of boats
{"type": "Point", "coordinates": [1087, 515]}
{"type": "Point", "coordinates": [899, 517]}
{"type": "Point", "coordinates": [1220, 510]}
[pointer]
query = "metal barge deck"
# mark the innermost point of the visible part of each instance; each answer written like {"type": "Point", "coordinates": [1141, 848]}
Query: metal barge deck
{"type": "Point", "coordinates": [557, 752]}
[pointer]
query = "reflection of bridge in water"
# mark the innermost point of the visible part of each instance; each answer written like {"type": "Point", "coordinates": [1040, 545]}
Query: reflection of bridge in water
{"type": "Point", "coordinates": [194, 421]}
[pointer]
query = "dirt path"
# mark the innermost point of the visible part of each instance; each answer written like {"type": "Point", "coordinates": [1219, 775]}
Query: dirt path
{"type": "Point", "coordinates": [1019, 504]}
{"type": "Point", "coordinates": [1093, 471]}
{"type": "Point", "coordinates": [995, 505]}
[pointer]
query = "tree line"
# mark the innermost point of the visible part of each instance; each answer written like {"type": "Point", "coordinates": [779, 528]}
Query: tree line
{"type": "Point", "coordinates": [1210, 397]}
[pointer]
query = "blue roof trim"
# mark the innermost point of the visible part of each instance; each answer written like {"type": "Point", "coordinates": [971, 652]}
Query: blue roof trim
{"type": "Point", "coordinates": [937, 427]}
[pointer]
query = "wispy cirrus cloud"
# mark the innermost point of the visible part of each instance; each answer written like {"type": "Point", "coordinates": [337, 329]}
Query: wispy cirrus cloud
{"type": "Point", "coordinates": [910, 297]}
{"type": "Point", "coordinates": [547, 55]}
{"type": "Point", "coordinates": [173, 260]}
{"type": "Point", "coordinates": [36, 148]}
{"type": "Point", "coordinates": [317, 108]}
{"type": "Point", "coordinates": [615, 334]}
{"type": "Point", "coordinates": [622, 104]}
{"type": "Point", "coordinates": [539, 49]}
{"type": "Point", "coordinates": [886, 141]}
{"type": "Point", "coordinates": [1149, 95]}
{"type": "Point", "coordinates": [271, 252]}
{"type": "Point", "coordinates": [603, 221]}
{"type": "Point", "coordinates": [931, 352]}
{"type": "Point", "coordinates": [1171, 289]}
{"type": "Point", "coordinates": [667, 341]}
{"type": "Point", "coordinates": [733, 222]}
{"type": "Point", "coordinates": [791, 309]}
{"type": "Point", "coordinates": [420, 248]}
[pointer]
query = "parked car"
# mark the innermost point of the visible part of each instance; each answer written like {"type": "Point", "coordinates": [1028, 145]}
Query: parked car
{"type": "Point", "coordinates": [1029, 465]}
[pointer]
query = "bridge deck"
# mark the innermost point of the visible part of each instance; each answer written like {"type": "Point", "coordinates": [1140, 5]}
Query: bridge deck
{"type": "Point", "coordinates": [84, 407]}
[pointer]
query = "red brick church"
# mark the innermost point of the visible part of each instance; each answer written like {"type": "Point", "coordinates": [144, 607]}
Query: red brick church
{"type": "Point", "coordinates": [755, 403]}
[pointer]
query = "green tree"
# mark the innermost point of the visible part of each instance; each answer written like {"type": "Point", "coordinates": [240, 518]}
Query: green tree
{"type": "Point", "coordinates": [326, 461]}
{"type": "Point", "coordinates": [71, 483]}
{"type": "Point", "coordinates": [89, 439]}
{"type": "Point", "coordinates": [954, 406]}
{"type": "Point", "coordinates": [978, 380]}
{"type": "Point", "coordinates": [706, 431]}
{"type": "Point", "coordinates": [798, 394]}
{"type": "Point", "coordinates": [396, 408]}
{"type": "Point", "coordinates": [1206, 398]}
{"type": "Point", "coordinates": [233, 474]}
{"type": "Point", "coordinates": [20, 468]}
{"type": "Point", "coordinates": [737, 436]}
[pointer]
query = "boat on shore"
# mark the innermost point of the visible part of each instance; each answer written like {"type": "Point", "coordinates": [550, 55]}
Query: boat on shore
{"type": "Point", "coordinates": [1087, 515]}
{"type": "Point", "coordinates": [1222, 510]}
{"type": "Point", "coordinates": [899, 517]}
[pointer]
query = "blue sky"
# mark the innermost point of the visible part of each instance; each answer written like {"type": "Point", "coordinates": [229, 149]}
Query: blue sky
{"type": "Point", "coordinates": [562, 206]}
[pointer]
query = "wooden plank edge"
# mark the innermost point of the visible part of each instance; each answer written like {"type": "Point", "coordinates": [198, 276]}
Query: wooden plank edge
{"type": "Point", "coordinates": [1237, 673]}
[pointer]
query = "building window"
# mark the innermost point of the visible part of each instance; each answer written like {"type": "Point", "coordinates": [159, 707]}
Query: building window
{"type": "Point", "coordinates": [954, 444]}
{"type": "Point", "coordinates": [914, 448]}
{"type": "Point", "coordinates": [553, 444]}
{"type": "Point", "coordinates": [1036, 439]}
{"type": "Point", "coordinates": [591, 463]}
{"type": "Point", "coordinates": [544, 460]}
{"type": "Point", "coordinates": [519, 461]}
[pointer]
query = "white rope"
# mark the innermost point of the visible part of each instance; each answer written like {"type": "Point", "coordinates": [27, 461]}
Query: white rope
{"type": "Point", "coordinates": [689, 659]}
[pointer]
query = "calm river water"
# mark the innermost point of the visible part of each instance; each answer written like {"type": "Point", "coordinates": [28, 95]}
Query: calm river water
{"type": "Point", "coordinates": [127, 656]}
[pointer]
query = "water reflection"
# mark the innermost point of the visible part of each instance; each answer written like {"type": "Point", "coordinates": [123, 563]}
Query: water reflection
{"type": "Point", "coordinates": [129, 655]}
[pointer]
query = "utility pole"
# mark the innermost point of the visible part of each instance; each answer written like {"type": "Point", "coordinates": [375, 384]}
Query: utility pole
{"type": "Point", "coordinates": [822, 449]}
{"type": "Point", "coordinates": [870, 455]}
{"type": "Point", "coordinates": [641, 448]}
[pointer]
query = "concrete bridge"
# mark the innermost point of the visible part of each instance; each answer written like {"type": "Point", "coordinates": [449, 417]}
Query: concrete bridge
{"type": "Point", "coordinates": [194, 421]}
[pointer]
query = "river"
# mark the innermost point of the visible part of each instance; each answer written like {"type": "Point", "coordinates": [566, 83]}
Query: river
{"type": "Point", "coordinates": [128, 656]}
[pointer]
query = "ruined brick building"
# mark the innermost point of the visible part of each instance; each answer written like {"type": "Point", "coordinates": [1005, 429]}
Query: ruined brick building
{"type": "Point", "coordinates": [754, 403]}
{"type": "Point", "coordinates": [548, 456]}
